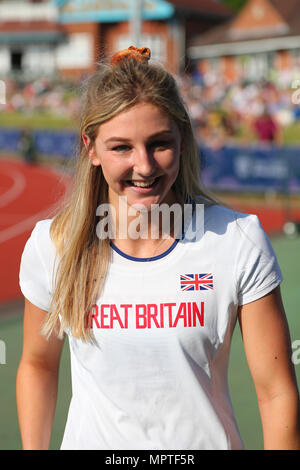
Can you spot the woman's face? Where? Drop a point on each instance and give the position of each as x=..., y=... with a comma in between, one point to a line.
x=139, y=152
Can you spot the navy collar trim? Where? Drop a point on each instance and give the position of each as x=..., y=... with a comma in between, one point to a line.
x=153, y=258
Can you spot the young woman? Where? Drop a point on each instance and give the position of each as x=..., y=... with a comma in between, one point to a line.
x=149, y=306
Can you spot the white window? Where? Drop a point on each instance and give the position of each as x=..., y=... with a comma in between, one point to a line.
x=4, y=60
x=76, y=53
x=38, y=59
x=256, y=66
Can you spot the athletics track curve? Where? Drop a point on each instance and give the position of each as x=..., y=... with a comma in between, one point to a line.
x=28, y=193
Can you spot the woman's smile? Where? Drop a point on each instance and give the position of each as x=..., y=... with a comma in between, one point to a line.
x=143, y=186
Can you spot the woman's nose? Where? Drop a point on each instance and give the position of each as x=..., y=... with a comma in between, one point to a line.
x=144, y=163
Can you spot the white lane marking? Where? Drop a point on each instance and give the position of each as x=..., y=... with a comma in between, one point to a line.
x=24, y=225
x=19, y=184
x=28, y=224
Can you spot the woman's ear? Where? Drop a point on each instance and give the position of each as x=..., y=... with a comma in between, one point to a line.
x=86, y=141
x=91, y=151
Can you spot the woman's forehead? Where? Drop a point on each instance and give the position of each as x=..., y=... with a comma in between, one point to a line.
x=141, y=119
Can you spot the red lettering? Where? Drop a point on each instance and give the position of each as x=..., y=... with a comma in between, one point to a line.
x=170, y=313
x=94, y=316
x=189, y=314
x=162, y=315
x=142, y=315
x=103, y=315
x=126, y=307
x=181, y=314
x=114, y=315
x=152, y=315
x=147, y=315
x=199, y=315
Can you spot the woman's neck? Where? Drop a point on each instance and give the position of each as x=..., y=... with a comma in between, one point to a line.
x=148, y=233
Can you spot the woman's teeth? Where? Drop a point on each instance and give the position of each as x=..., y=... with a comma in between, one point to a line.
x=143, y=184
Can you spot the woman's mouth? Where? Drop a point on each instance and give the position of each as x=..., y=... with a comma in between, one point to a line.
x=142, y=183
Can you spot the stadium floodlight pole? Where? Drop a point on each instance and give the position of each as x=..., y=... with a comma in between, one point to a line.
x=136, y=22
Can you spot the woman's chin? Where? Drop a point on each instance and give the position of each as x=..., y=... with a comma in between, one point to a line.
x=144, y=207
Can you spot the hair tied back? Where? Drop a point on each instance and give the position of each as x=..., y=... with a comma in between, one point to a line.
x=142, y=54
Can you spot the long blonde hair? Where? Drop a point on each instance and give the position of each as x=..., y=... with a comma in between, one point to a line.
x=83, y=256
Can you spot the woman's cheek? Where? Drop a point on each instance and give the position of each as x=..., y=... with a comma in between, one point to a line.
x=174, y=165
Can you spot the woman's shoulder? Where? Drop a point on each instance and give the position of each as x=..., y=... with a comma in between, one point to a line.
x=36, y=265
x=43, y=224
x=222, y=216
x=220, y=222
x=41, y=230
x=40, y=236
x=239, y=228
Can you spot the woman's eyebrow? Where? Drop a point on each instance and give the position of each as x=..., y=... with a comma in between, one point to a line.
x=166, y=132
x=116, y=139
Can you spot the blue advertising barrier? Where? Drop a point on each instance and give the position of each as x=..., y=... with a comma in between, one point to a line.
x=63, y=144
x=56, y=143
x=228, y=168
x=251, y=168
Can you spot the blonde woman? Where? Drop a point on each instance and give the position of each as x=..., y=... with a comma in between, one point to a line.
x=149, y=305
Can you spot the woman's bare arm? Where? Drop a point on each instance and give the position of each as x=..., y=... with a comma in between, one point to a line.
x=268, y=350
x=37, y=379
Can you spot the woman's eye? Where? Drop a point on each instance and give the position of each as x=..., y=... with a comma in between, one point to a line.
x=161, y=144
x=121, y=148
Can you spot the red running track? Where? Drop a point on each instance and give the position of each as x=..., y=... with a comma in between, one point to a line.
x=28, y=193
x=272, y=219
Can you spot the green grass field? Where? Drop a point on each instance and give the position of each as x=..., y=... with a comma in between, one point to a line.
x=44, y=120
x=36, y=120
x=242, y=390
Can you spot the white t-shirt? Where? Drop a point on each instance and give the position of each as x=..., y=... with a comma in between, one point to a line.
x=157, y=377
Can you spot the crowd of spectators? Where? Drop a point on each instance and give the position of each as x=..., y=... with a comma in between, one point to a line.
x=57, y=97
x=244, y=112
x=222, y=113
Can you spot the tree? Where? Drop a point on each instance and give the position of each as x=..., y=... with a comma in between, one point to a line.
x=236, y=5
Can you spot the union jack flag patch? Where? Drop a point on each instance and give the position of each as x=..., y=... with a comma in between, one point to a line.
x=196, y=282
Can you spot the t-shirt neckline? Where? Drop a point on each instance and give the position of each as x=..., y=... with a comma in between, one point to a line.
x=151, y=258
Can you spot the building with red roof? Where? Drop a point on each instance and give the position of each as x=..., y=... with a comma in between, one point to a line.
x=263, y=36
x=71, y=36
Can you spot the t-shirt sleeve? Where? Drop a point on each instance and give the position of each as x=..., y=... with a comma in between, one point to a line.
x=258, y=270
x=33, y=274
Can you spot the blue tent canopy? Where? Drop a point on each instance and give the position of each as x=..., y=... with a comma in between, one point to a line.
x=102, y=11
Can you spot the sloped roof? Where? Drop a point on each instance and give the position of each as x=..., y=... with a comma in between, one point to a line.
x=289, y=10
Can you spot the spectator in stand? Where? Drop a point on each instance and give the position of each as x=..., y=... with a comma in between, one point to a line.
x=266, y=129
x=27, y=147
